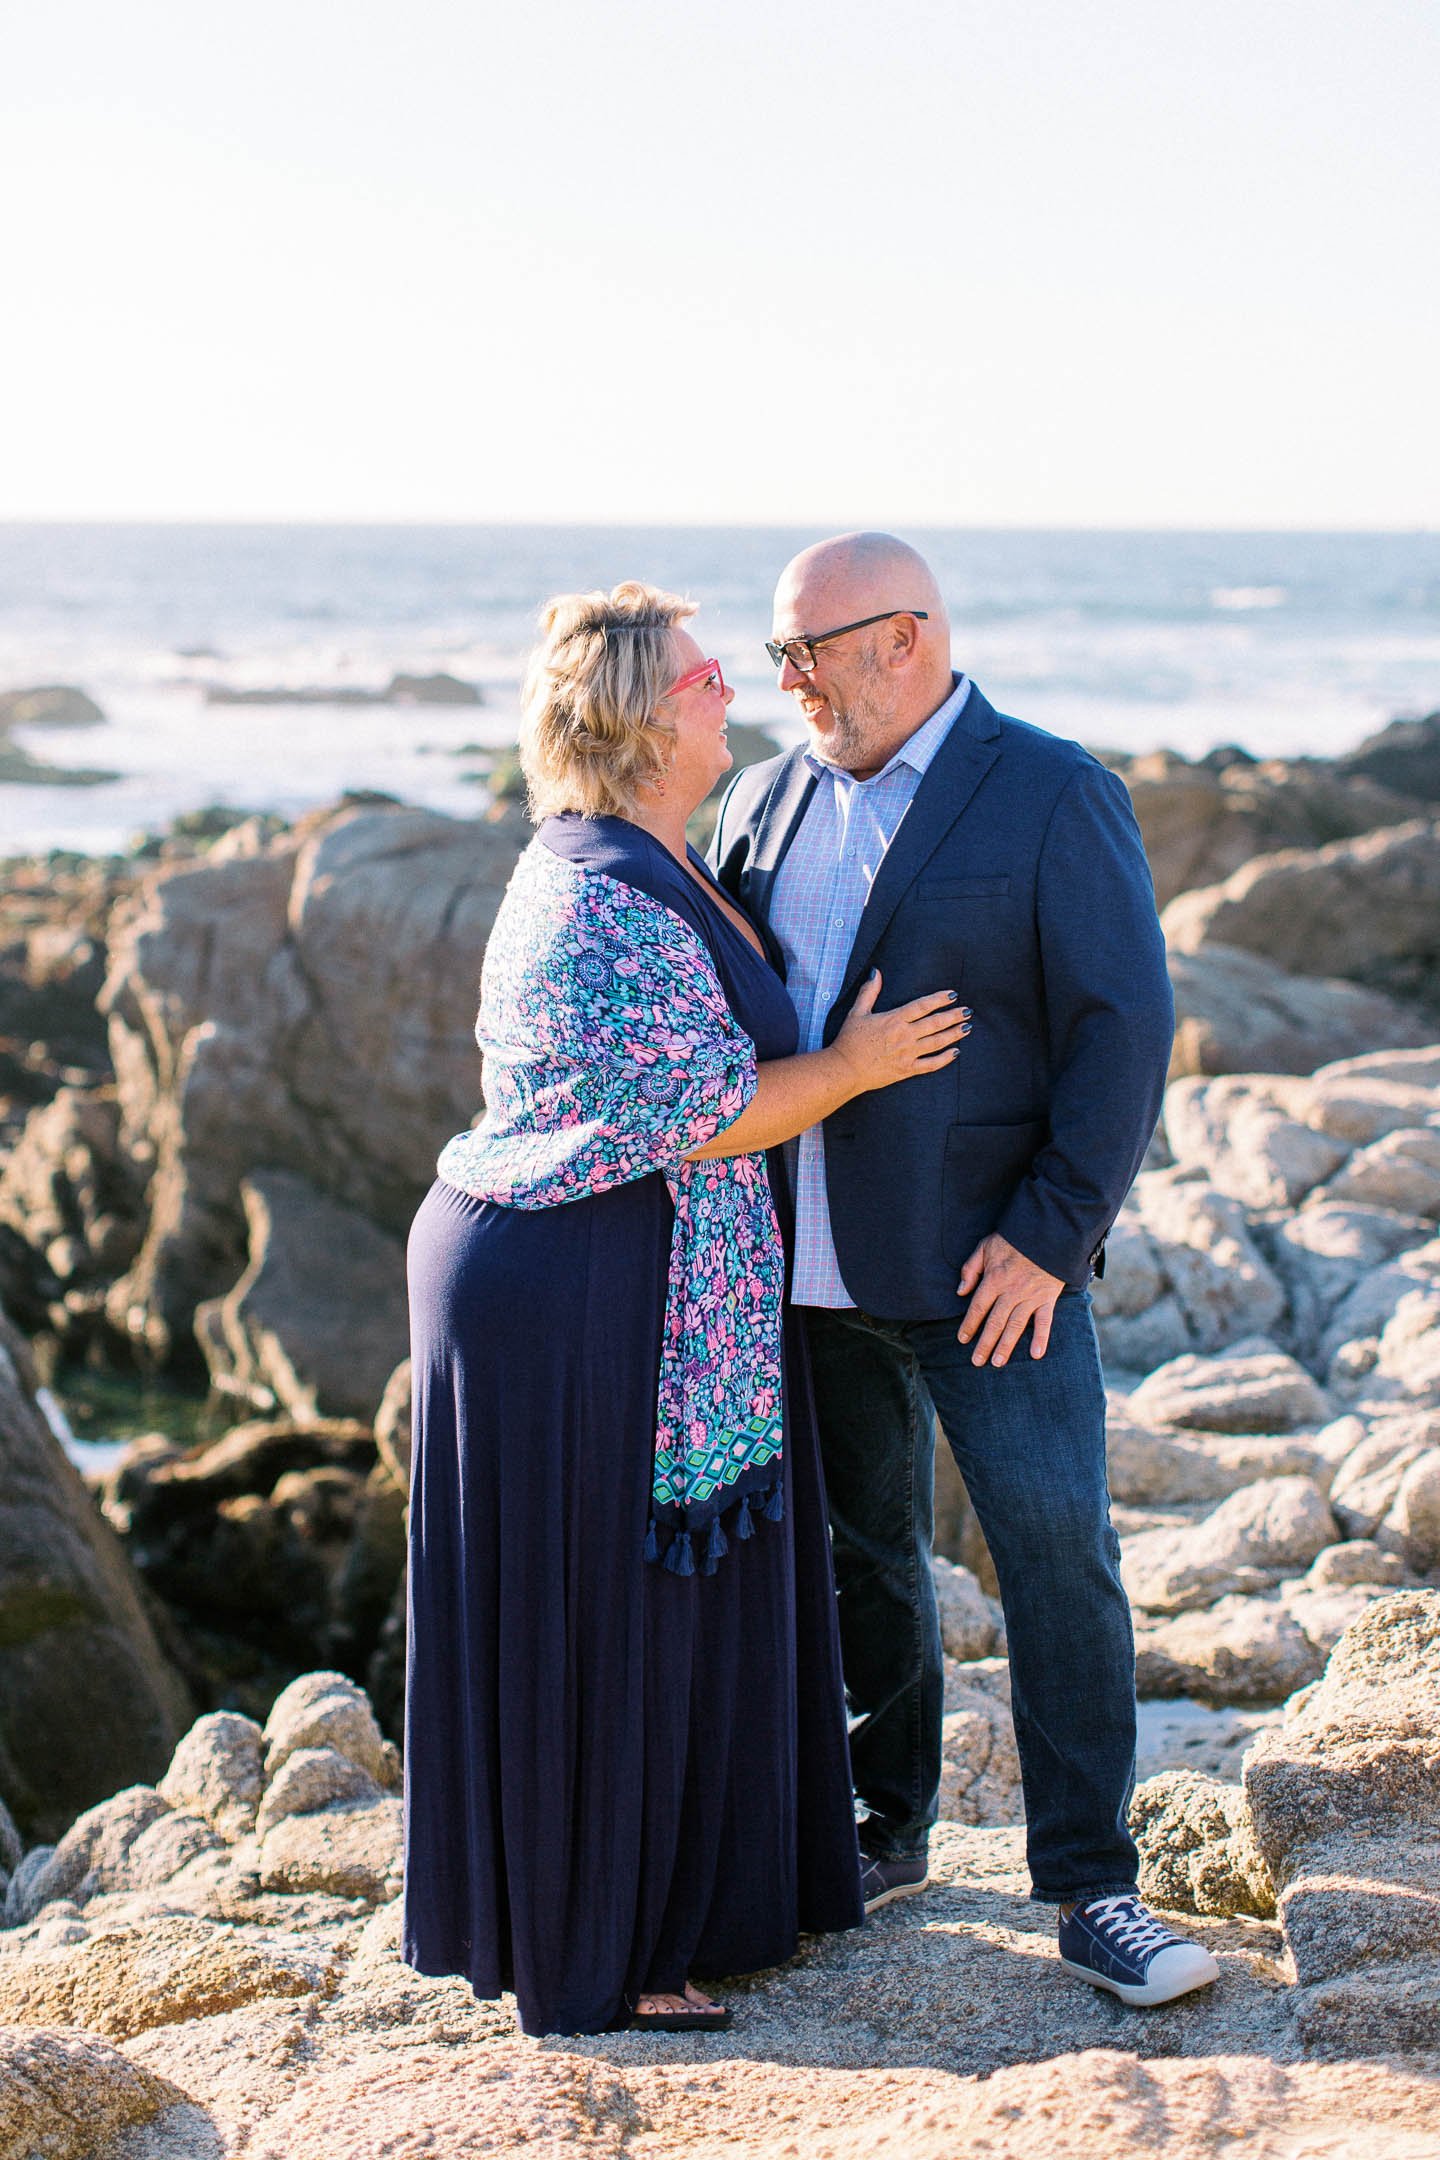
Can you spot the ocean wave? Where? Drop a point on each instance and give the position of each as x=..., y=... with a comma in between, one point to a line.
x=1284, y=642
x=1237, y=599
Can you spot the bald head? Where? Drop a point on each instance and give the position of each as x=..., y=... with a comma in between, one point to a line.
x=869, y=570
x=873, y=687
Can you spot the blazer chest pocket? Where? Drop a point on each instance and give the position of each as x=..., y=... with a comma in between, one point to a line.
x=962, y=888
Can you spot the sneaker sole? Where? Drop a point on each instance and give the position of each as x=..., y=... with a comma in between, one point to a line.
x=1143, y=1998
x=888, y=1897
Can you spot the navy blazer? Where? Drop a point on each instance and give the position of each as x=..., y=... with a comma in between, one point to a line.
x=1017, y=877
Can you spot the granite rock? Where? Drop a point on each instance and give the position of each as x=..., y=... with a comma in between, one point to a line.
x=393, y=1422
x=1253, y=1388
x=303, y=1005
x=1401, y=1171
x=1158, y=1466
x=1242, y=1134
x=326, y=1710
x=65, y=2095
x=1354, y=1560
x=1366, y=910
x=971, y=1624
x=218, y=1770
x=1363, y=1108
x=1403, y=757
x=1344, y=1794
x=92, y=1856
x=1244, y=1650
x=12, y=1846
x=289, y=2030
x=19, y=1901
x=1220, y=1280
x=73, y=1630
x=1236, y=1012
x=1197, y=1847
x=351, y=1849
x=979, y=1765
x=1367, y=1482
x=1267, y=1530
x=318, y=1319
x=168, y=1846
x=1325, y=1251
x=122, y=1977
x=309, y=1779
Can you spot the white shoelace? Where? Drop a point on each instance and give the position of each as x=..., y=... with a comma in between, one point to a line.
x=1125, y=1922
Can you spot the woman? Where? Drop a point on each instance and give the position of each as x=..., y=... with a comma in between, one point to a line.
x=626, y=1760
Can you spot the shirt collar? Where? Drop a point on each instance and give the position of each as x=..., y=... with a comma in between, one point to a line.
x=917, y=751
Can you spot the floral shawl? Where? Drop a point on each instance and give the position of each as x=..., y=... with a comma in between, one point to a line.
x=611, y=1052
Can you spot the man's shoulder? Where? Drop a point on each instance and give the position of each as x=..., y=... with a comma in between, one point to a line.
x=1039, y=752
x=753, y=783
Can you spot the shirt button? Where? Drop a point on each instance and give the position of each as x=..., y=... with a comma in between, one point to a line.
x=837, y=922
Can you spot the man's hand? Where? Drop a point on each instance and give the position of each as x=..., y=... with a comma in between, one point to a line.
x=1009, y=1292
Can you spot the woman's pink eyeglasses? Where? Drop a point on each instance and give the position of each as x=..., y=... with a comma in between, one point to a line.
x=710, y=668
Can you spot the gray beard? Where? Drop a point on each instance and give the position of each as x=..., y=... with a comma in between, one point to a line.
x=849, y=742
x=856, y=731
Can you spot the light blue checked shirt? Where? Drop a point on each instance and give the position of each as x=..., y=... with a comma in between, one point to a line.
x=819, y=895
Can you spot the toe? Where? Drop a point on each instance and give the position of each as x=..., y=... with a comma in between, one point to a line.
x=696, y=2001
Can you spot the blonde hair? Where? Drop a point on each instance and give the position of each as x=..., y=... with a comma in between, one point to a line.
x=590, y=738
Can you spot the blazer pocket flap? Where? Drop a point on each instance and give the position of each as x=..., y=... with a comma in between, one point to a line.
x=962, y=888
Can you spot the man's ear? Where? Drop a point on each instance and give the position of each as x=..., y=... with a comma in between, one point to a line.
x=904, y=641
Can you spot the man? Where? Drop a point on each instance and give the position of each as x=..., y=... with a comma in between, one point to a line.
x=946, y=1230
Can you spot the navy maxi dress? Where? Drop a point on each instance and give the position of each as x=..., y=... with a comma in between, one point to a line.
x=615, y=1777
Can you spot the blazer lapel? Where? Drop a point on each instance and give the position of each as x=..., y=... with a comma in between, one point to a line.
x=779, y=821
x=955, y=771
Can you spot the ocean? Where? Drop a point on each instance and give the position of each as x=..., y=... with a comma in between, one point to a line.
x=1287, y=643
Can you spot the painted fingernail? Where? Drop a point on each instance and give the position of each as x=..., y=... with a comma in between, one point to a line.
x=954, y=996
x=965, y=1012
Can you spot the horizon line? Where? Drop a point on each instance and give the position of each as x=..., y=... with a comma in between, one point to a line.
x=407, y=522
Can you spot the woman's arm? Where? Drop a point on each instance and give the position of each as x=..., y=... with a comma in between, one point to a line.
x=872, y=1050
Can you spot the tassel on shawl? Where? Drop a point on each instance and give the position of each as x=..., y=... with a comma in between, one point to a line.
x=716, y=1547
x=679, y=1555
x=680, y=1560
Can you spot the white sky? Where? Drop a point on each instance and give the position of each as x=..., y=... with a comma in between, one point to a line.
x=941, y=262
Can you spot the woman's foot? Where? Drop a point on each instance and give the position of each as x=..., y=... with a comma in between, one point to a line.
x=689, y=2012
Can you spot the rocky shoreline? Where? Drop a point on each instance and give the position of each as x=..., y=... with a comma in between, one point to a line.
x=48, y=705
x=210, y=1965
x=225, y=1066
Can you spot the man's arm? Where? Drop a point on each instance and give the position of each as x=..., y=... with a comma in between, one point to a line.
x=1110, y=1020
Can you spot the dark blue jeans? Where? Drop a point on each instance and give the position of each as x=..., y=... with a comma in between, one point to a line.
x=1029, y=1438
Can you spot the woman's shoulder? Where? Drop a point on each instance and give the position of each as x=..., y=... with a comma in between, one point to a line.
x=612, y=847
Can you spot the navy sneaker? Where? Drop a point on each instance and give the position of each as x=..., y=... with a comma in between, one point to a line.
x=1117, y=1943
x=882, y=1881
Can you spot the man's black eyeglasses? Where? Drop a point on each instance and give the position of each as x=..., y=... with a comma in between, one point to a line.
x=800, y=651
